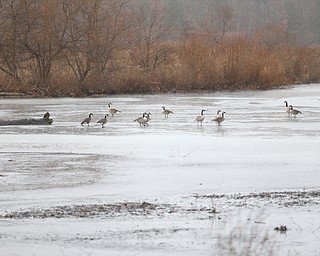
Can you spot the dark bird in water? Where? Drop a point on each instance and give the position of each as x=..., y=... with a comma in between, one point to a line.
x=46, y=115
x=46, y=118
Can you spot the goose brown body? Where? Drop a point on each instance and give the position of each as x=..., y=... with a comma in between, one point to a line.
x=166, y=112
x=111, y=110
x=143, y=120
x=103, y=121
x=87, y=120
x=219, y=119
x=199, y=119
x=294, y=112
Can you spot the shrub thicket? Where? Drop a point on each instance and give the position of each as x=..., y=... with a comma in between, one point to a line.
x=195, y=65
x=81, y=48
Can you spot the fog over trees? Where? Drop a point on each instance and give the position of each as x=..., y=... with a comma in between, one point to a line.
x=301, y=19
x=80, y=47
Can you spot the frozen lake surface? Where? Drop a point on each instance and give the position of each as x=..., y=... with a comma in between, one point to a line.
x=180, y=180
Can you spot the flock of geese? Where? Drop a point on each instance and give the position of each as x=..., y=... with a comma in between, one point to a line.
x=145, y=118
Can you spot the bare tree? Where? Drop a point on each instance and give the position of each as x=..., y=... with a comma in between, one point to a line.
x=94, y=29
x=148, y=33
x=11, y=56
x=273, y=35
x=225, y=15
x=42, y=36
x=80, y=28
x=217, y=21
x=113, y=34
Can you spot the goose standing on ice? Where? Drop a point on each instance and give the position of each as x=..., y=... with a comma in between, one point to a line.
x=219, y=119
x=287, y=108
x=103, y=121
x=87, y=120
x=200, y=118
x=111, y=110
x=142, y=120
x=147, y=115
x=166, y=112
x=294, y=112
x=218, y=114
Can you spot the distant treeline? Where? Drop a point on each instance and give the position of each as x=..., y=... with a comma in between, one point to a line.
x=299, y=18
x=80, y=47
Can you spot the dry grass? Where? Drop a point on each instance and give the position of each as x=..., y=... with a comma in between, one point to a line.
x=248, y=236
x=195, y=65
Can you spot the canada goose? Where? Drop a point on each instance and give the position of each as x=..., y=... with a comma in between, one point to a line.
x=166, y=112
x=87, y=120
x=219, y=119
x=287, y=107
x=294, y=112
x=218, y=114
x=111, y=110
x=147, y=115
x=142, y=120
x=103, y=121
x=200, y=118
